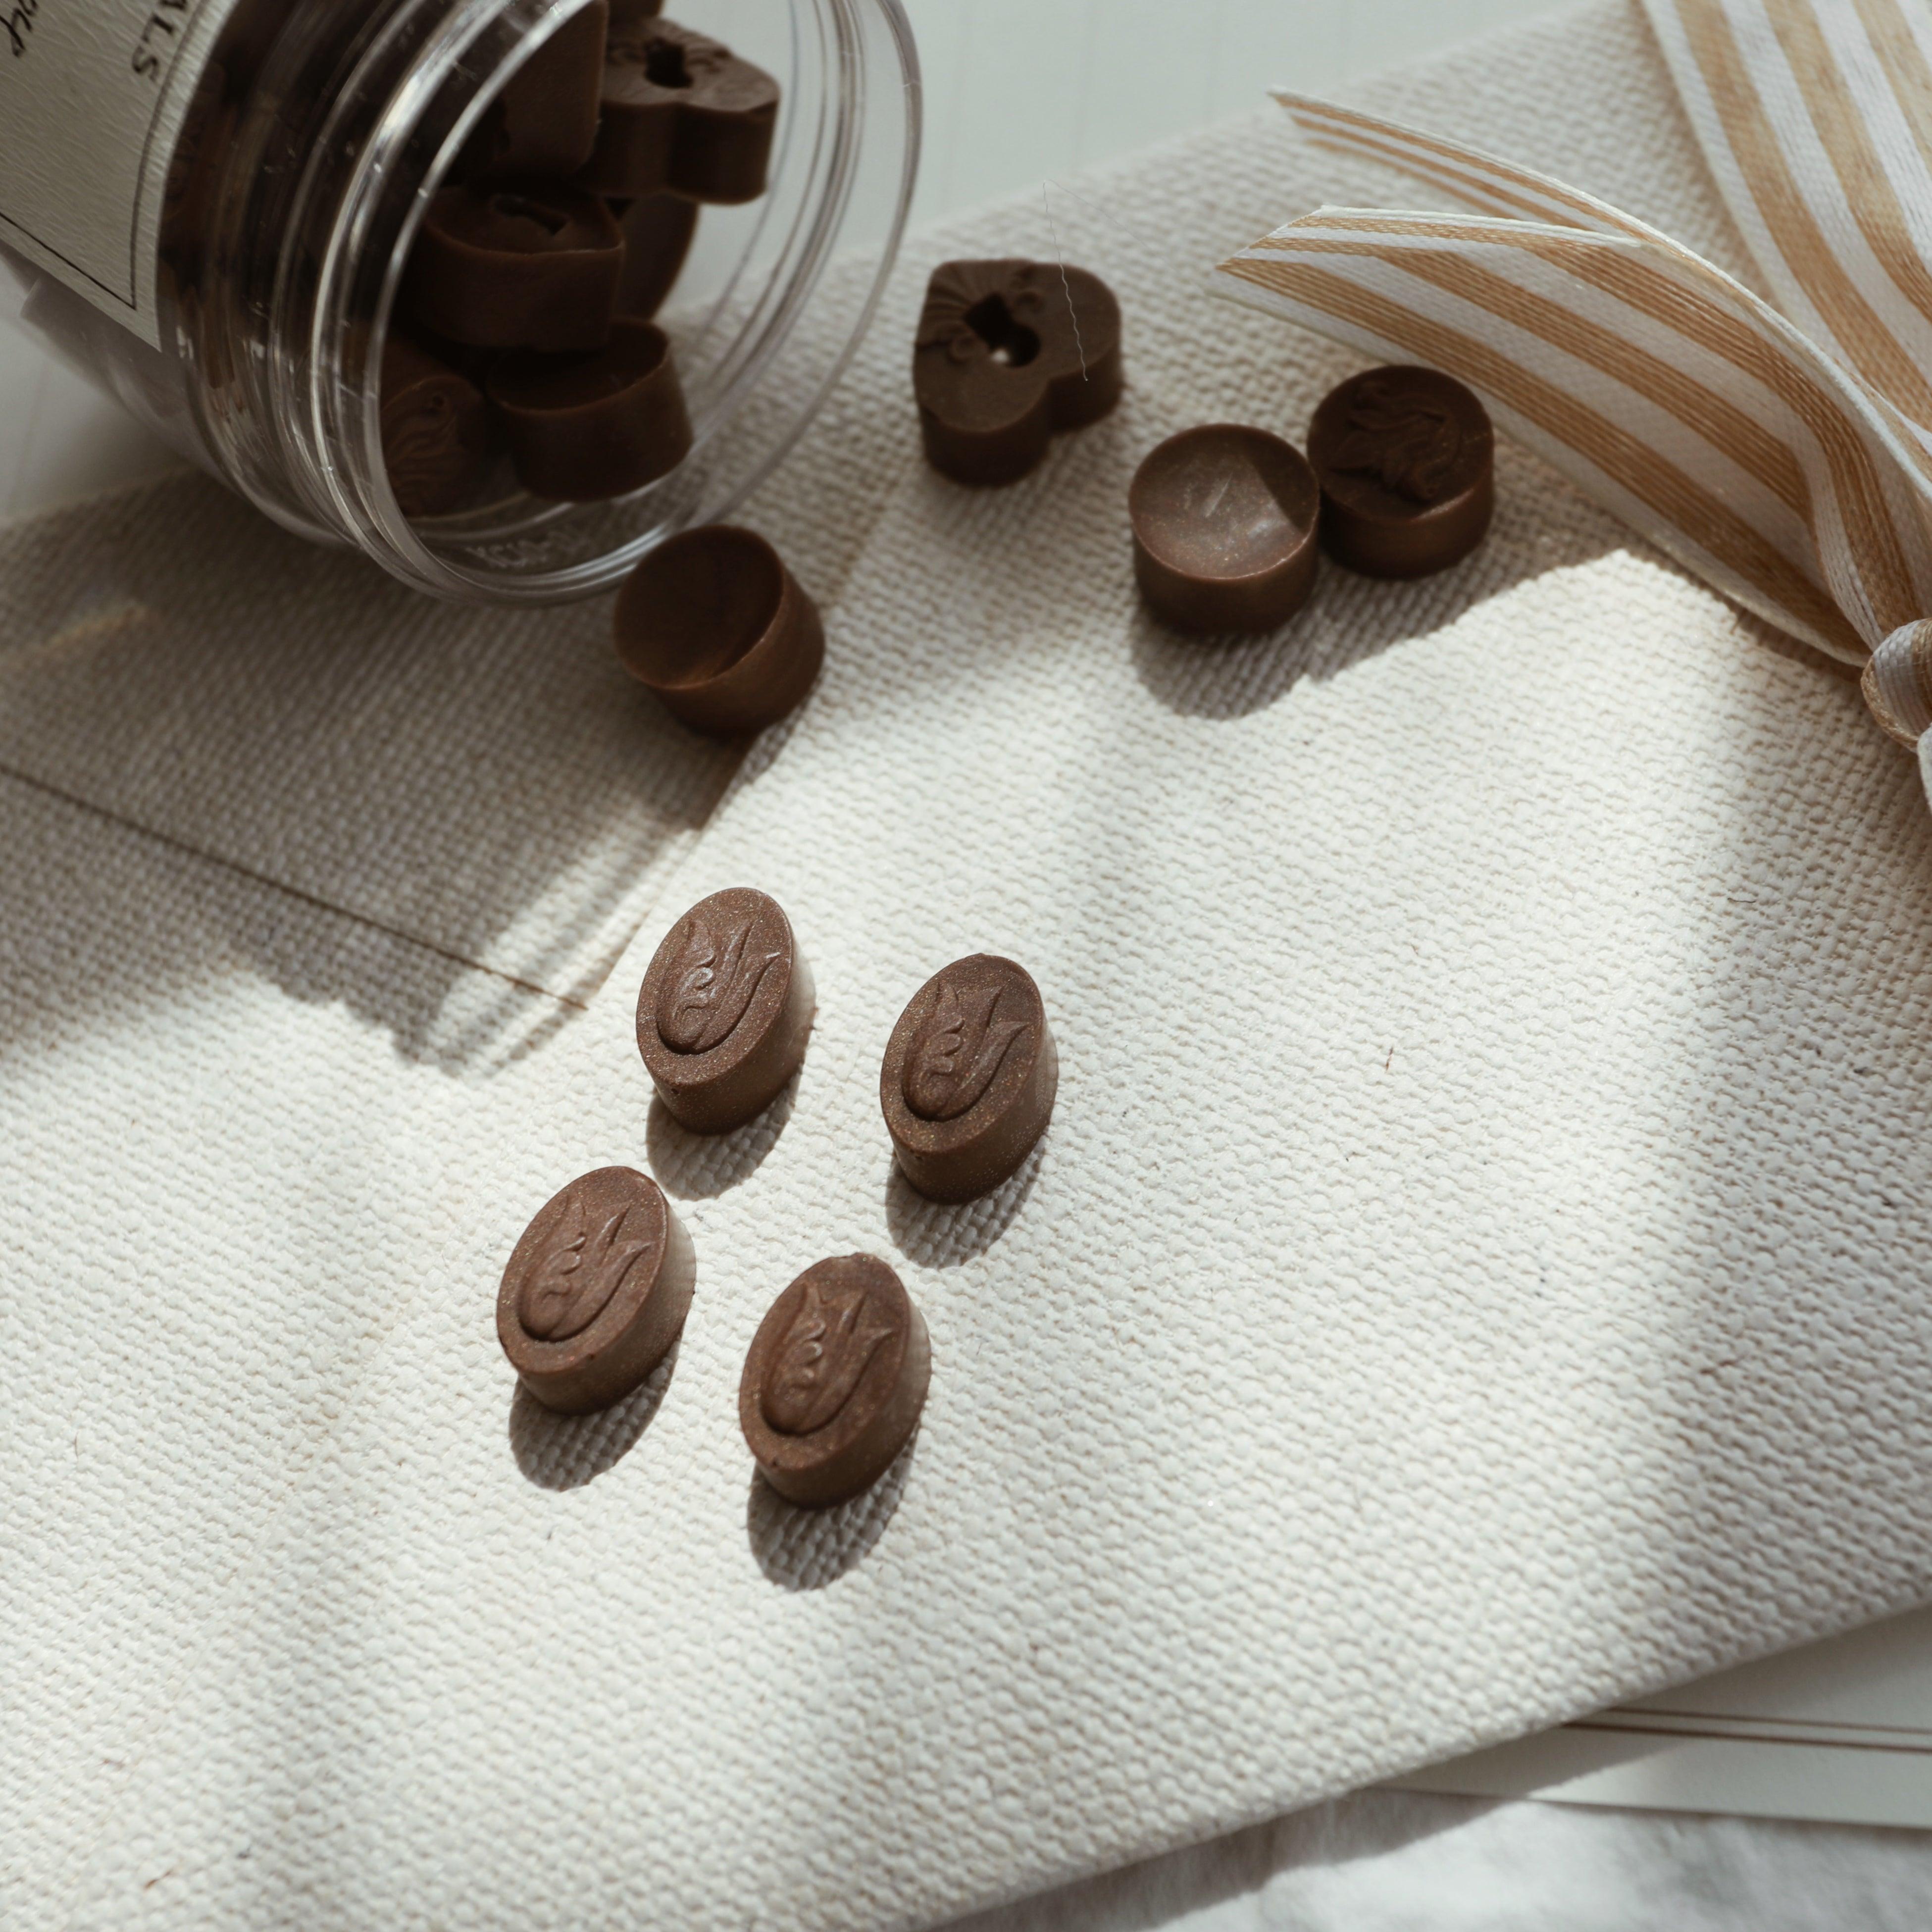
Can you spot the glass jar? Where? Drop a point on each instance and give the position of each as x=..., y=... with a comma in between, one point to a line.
x=315, y=134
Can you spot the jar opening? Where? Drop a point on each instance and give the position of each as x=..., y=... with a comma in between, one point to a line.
x=760, y=322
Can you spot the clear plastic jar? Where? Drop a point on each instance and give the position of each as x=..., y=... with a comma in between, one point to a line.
x=286, y=241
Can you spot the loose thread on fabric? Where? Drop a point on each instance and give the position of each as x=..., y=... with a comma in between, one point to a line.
x=1073, y=314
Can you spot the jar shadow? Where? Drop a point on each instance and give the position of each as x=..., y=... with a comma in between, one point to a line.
x=807, y=1549
x=700, y=1167
x=939, y=1234
x=564, y=1452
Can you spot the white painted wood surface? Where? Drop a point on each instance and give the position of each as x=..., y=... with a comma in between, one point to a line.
x=1020, y=91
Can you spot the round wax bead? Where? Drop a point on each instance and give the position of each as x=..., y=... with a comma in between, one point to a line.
x=1224, y=520
x=716, y=625
x=586, y=427
x=1406, y=460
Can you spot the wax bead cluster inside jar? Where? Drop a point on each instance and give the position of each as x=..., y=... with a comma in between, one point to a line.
x=524, y=353
x=502, y=294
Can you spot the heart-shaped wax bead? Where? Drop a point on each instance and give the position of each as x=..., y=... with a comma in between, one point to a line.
x=1008, y=353
x=681, y=111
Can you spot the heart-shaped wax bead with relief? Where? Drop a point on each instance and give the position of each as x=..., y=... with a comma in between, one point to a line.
x=680, y=112
x=1010, y=353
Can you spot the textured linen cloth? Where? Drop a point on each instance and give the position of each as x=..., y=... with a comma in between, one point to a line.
x=1472, y=1276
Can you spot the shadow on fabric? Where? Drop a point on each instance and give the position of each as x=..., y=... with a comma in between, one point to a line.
x=700, y=1167
x=1225, y=1880
x=479, y=799
x=564, y=1452
x=806, y=1549
x=937, y=1233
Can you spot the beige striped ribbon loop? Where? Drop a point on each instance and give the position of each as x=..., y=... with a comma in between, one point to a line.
x=1781, y=449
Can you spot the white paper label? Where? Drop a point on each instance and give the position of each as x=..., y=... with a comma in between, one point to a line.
x=92, y=95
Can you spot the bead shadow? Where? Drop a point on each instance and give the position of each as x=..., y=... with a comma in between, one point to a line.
x=564, y=1452
x=940, y=1235
x=806, y=1548
x=700, y=1167
x=1350, y=619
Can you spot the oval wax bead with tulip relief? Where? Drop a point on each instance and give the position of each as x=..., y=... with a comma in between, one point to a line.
x=969, y=1077
x=834, y=1382
x=725, y=1010
x=596, y=1291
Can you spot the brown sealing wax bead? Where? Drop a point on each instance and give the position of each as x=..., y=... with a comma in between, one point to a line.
x=1009, y=352
x=584, y=428
x=544, y=121
x=465, y=358
x=529, y=264
x=436, y=431
x=596, y=1291
x=1224, y=518
x=657, y=229
x=969, y=1078
x=834, y=1382
x=724, y=1010
x=716, y=625
x=1406, y=460
x=682, y=113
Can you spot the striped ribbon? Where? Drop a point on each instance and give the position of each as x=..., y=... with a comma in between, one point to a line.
x=1783, y=450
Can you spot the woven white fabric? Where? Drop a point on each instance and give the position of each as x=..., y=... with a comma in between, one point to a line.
x=1408, y=1860
x=1472, y=1276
